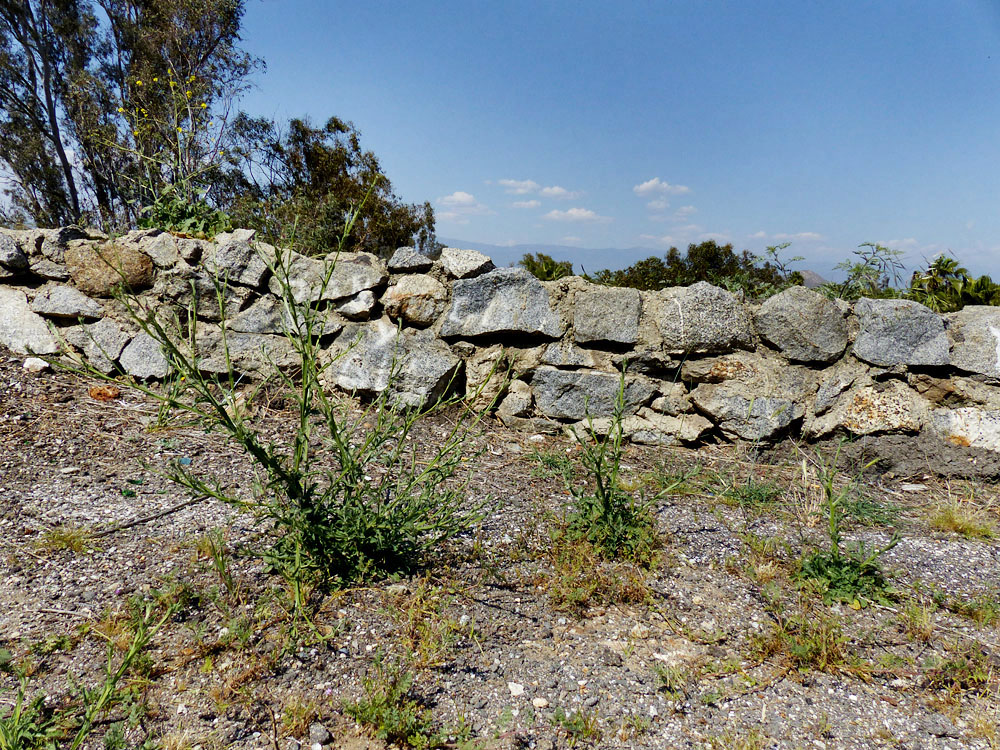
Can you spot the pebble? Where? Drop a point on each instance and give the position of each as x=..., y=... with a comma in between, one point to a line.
x=34, y=364
x=539, y=702
x=515, y=688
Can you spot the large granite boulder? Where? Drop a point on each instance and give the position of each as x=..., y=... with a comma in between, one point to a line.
x=899, y=332
x=143, y=358
x=253, y=354
x=464, y=264
x=975, y=339
x=408, y=260
x=606, y=315
x=270, y=315
x=413, y=366
x=417, y=299
x=699, y=318
x=803, y=325
x=508, y=300
x=98, y=269
x=868, y=409
x=578, y=394
x=12, y=255
x=351, y=273
x=61, y=301
x=237, y=259
x=101, y=342
x=22, y=330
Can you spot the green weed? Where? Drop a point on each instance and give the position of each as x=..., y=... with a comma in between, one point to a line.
x=579, y=726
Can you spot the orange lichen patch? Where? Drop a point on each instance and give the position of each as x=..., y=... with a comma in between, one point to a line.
x=726, y=369
x=959, y=440
x=104, y=392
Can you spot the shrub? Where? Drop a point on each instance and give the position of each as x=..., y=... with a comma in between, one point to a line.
x=545, y=267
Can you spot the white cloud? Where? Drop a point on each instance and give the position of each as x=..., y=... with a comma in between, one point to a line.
x=459, y=206
x=561, y=193
x=571, y=238
x=905, y=244
x=666, y=240
x=717, y=236
x=519, y=187
x=526, y=204
x=660, y=204
x=684, y=212
x=656, y=186
x=798, y=237
x=576, y=214
x=688, y=228
x=761, y=235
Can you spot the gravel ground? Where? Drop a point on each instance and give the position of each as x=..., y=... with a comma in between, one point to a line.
x=512, y=640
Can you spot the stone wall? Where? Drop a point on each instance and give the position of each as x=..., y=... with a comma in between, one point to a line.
x=702, y=364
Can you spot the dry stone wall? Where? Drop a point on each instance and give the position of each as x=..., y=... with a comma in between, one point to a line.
x=701, y=364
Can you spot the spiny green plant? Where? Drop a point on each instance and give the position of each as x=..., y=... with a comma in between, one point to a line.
x=545, y=267
x=852, y=577
x=616, y=523
x=876, y=272
x=579, y=726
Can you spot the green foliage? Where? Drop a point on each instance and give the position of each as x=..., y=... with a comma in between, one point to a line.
x=68, y=74
x=175, y=212
x=308, y=182
x=545, y=267
x=875, y=273
x=806, y=641
x=579, y=726
x=945, y=286
x=851, y=577
x=388, y=710
x=711, y=262
x=375, y=512
x=753, y=495
x=617, y=524
x=551, y=464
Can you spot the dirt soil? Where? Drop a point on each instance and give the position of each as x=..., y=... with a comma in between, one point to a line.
x=512, y=639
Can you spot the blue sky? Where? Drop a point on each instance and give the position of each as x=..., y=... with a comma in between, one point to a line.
x=640, y=125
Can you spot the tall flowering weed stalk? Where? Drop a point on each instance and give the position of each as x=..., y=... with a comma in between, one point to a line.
x=177, y=142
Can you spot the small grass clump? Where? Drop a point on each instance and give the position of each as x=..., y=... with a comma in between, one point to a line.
x=581, y=577
x=962, y=518
x=753, y=495
x=67, y=537
x=806, y=641
x=579, y=726
x=551, y=464
x=390, y=713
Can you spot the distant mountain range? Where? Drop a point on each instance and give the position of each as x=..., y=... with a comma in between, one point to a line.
x=583, y=259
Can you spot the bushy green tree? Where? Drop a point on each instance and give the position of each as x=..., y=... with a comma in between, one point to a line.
x=545, y=267
x=304, y=182
x=945, y=286
x=707, y=261
x=71, y=71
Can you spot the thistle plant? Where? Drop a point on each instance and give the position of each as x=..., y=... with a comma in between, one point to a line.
x=177, y=144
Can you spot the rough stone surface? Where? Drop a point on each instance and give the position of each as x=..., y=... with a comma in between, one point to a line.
x=103, y=343
x=358, y=308
x=56, y=242
x=464, y=264
x=803, y=325
x=564, y=353
x=975, y=339
x=517, y=402
x=739, y=413
x=237, y=259
x=508, y=300
x=269, y=315
x=21, y=330
x=97, y=271
x=967, y=426
x=674, y=401
x=414, y=367
x=651, y=428
x=12, y=256
x=46, y=269
x=899, y=332
x=408, y=260
x=143, y=358
x=606, y=314
x=249, y=353
x=699, y=318
x=577, y=394
x=186, y=286
x=487, y=371
x=352, y=273
x=161, y=247
x=870, y=409
x=417, y=299
x=60, y=301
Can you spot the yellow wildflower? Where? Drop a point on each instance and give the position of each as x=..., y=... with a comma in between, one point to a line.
x=203, y=105
x=121, y=109
x=172, y=84
x=138, y=83
x=188, y=93
x=191, y=79
x=155, y=80
x=135, y=132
